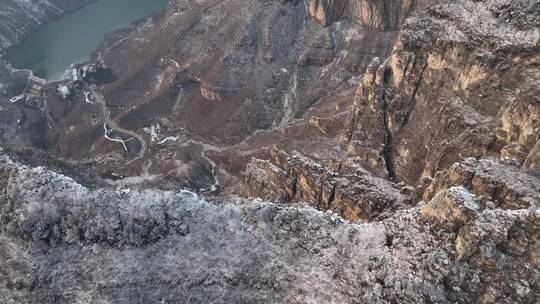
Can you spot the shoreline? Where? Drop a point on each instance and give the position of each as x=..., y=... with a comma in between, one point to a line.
x=3, y=50
x=113, y=31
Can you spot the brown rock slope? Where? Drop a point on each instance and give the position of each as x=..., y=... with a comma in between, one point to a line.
x=431, y=180
x=346, y=189
x=462, y=80
x=220, y=70
x=207, y=75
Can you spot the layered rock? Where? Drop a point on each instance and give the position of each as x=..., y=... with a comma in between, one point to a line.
x=489, y=213
x=345, y=189
x=499, y=181
x=460, y=82
x=267, y=62
x=65, y=243
x=382, y=15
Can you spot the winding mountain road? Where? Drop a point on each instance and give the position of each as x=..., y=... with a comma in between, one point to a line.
x=115, y=127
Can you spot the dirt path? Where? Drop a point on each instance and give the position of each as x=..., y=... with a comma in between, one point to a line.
x=113, y=125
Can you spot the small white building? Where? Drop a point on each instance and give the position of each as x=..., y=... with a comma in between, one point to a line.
x=75, y=74
x=16, y=98
x=64, y=90
x=84, y=70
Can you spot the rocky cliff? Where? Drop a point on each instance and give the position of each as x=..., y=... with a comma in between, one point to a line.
x=462, y=81
x=388, y=152
x=346, y=189
x=382, y=15
x=62, y=242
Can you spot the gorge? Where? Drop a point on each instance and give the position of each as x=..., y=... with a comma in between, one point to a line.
x=292, y=151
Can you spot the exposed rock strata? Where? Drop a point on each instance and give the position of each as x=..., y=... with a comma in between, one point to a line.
x=460, y=82
x=382, y=15
x=345, y=189
x=267, y=62
x=499, y=181
x=60, y=240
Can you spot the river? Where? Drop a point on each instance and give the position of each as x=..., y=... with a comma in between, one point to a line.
x=51, y=50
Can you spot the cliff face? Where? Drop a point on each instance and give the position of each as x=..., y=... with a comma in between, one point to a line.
x=381, y=15
x=343, y=188
x=462, y=81
x=19, y=18
x=424, y=170
x=62, y=242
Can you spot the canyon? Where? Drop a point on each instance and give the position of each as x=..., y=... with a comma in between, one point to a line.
x=315, y=151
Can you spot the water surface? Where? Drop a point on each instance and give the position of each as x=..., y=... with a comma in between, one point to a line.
x=55, y=46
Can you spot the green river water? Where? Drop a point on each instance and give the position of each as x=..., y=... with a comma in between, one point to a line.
x=51, y=50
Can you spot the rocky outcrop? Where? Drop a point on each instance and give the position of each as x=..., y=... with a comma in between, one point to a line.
x=458, y=84
x=212, y=93
x=345, y=189
x=491, y=221
x=518, y=130
x=20, y=18
x=327, y=11
x=452, y=111
x=451, y=208
x=382, y=15
x=62, y=242
x=499, y=181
